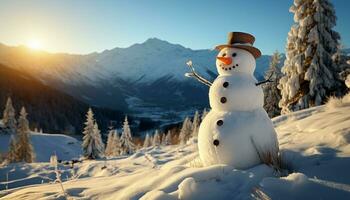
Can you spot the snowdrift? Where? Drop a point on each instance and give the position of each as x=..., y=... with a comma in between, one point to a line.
x=46, y=145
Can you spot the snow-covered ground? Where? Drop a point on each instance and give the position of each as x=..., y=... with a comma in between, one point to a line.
x=315, y=149
x=45, y=145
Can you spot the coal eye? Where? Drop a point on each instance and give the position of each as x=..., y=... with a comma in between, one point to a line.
x=234, y=55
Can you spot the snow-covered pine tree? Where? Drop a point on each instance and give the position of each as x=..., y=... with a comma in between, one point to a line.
x=204, y=113
x=195, y=124
x=126, y=144
x=116, y=143
x=92, y=143
x=9, y=116
x=310, y=75
x=343, y=61
x=163, y=139
x=147, y=142
x=151, y=140
x=98, y=151
x=168, y=138
x=110, y=147
x=11, y=154
x=272, y=94
x=24, y=149
x=186, y=131
x=156, y=138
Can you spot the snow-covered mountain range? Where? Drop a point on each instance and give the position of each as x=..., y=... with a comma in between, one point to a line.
x=146, y=75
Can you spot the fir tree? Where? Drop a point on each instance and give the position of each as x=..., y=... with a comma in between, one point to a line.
x=310, y=74
x=11, y=155
x=163, y=139
x=24, y=149
x=147, y=141
x=343, y=62
x=111, y=146
x=92, y=143
x=9, y=116
x=116, y=143
x=186, y=131
x=272, y=94
x=126, y=144
x=195, y=124
x=156, y=138
x=168, y=138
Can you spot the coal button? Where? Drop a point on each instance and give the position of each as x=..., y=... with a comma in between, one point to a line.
x=220, y=122
x=216, y=142
x=225, y=84
x=223, y=100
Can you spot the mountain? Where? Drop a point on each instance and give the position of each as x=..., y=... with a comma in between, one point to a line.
x=48, y=108
x=142, y=79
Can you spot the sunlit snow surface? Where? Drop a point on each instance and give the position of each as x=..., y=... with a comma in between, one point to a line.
x=314, y=144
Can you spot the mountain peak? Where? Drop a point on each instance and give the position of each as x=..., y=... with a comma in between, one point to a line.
x=156, y=41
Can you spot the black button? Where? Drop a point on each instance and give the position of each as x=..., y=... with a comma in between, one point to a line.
x=220, y=122
x=223, y=100
x=216, y=142
x=225, y=84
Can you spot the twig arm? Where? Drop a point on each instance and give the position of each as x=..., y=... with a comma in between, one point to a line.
x=195, y=75
x=268, y=80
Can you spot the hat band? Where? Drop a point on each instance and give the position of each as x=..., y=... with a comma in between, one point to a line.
x=245, y=44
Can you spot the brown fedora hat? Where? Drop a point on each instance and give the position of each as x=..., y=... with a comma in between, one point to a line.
x=241, y=40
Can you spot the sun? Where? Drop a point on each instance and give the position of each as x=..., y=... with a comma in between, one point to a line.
x=34, y=44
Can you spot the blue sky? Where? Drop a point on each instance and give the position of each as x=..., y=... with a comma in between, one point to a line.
x=84, y=26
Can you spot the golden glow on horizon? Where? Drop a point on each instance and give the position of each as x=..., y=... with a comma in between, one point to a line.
x=34, y=44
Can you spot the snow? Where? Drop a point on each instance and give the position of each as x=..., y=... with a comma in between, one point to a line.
x=46, y=145
x=347, y=81
x=314, y=144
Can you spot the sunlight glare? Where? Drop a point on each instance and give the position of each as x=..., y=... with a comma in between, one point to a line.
x=34, y=44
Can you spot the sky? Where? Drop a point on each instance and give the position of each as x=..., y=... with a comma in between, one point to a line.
x=85, y=26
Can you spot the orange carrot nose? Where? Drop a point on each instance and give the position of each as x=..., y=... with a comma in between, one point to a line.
x=225, y=60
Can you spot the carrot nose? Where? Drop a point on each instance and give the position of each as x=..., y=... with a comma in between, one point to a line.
x=225, y=60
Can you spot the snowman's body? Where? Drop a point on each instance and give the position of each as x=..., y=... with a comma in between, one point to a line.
x=237, y=131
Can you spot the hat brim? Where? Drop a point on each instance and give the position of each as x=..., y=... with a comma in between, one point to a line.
x=254, y=51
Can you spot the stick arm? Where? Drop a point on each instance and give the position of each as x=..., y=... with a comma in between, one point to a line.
x=195, y=75
x=268, y=80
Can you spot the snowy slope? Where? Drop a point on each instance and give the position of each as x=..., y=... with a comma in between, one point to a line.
x=46, y=145
x=315, y=146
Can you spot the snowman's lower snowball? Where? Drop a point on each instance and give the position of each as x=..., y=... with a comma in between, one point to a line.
x=239, y=140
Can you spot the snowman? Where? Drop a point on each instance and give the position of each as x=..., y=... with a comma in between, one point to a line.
x=237, y=131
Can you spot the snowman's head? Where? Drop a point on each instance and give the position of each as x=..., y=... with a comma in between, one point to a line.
x=233, y=60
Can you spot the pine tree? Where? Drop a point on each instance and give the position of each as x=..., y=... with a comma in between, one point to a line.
x=11, y=155
x=195, y=124
x=98, y=151
x=24, y=149
x=272, y=94
x=343, y=62
x=110, y=147
x=92, y=143
x=126, y=144
x=186, y=131
x=116, y=143
x=310, y=75
x=9, y=116
x=163, y=139
x=168, y=138
x=156, y=138
x=147, y=141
